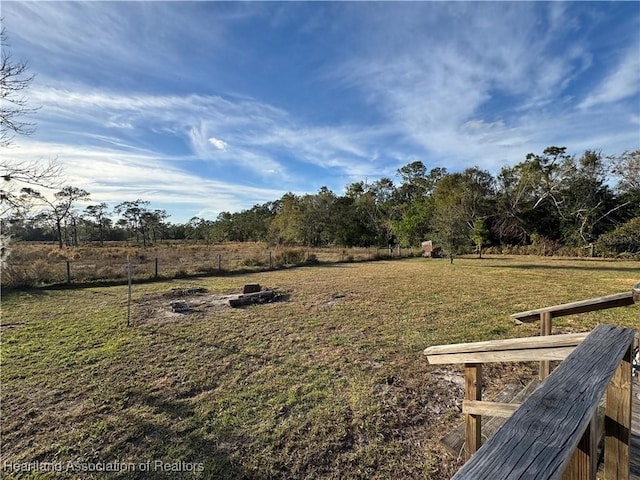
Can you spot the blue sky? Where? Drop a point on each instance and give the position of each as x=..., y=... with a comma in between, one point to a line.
x=206, y=107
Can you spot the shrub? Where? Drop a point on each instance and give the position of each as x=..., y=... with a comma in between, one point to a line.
x=16, y=277
x=110, y=272
x=253, y=261
x=181, y=273
x=38, y=272
x=290, y=257
x=543, y=246
x=208, y=269
x=625, y=238
x=312, y=259
x=628, y=256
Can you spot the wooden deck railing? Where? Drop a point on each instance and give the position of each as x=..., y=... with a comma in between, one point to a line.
x=547, y=314
x=474, y=355
x=553, y=431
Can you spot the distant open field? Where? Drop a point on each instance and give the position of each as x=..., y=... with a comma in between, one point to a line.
x=329, y=383
x=36, y=264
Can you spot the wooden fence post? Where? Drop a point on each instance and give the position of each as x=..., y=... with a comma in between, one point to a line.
x=156, y=276
x=617, y=421
x=545, y=329
x=473, y=423
x=270, y=262
x=68, y=272
x=129, y=276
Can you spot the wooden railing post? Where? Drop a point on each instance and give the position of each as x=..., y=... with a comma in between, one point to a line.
x=545, y=329
x=584, y=461
x=617, y=421
x=473, y=423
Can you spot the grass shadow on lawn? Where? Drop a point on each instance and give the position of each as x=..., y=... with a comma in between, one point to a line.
x=603, y=268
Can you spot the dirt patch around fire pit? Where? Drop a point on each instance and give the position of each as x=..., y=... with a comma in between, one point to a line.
x=196, y=302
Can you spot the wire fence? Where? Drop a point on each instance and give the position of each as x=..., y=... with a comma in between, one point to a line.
x=36, y=271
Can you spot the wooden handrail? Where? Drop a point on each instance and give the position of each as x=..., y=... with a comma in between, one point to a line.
x=599, y=303
x=546, y=314
x=553, y=347
x=540, y=439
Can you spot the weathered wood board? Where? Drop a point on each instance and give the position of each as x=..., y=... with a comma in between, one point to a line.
x=555, y=347
x=569, y=397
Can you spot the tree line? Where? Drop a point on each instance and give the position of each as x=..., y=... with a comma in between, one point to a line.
x=551, y=196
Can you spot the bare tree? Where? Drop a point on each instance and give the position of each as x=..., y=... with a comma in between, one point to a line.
x=98, y=213
x=14, y=79
x=627, y=168
x=18, y=179
x=61, y=208
x=135, y=213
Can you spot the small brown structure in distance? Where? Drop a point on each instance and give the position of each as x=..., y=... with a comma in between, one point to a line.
x=429, y=250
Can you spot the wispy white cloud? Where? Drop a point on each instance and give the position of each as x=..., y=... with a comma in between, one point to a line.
x=465, y=86
x=254, y=132
x=103, y=40
x=240, y=155
x=439, y=83
x=217, y=143
x=621, y=83
x=114, y=176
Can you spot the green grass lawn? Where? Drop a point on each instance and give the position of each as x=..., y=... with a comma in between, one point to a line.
x=331, y=383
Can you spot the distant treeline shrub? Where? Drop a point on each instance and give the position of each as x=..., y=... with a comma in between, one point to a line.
x=292, y=256
x=38, y=272
x=624, y=239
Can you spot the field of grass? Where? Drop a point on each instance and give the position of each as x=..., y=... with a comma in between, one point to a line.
x=36, y=264
x=330, y=383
